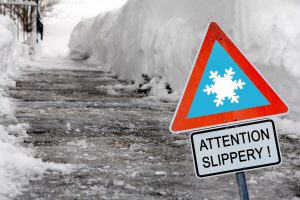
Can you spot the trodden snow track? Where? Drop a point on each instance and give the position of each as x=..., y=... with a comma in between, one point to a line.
x=120, y=143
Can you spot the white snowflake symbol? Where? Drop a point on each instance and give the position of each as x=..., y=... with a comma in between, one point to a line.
x=224, y=87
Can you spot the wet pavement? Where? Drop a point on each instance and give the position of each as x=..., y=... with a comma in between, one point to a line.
x=119, y=142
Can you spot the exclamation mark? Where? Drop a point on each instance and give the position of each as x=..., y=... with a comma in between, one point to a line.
x=269, y=151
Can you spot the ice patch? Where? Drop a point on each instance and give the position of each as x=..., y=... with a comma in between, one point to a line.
x=160, y=173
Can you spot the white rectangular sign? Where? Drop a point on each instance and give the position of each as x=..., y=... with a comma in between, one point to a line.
x=235, y=148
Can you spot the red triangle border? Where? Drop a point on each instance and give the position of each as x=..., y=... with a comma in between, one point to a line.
x=181, y=123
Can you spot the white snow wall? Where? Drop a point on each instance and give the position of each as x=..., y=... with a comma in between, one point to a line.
x=161, y=38
x=157, y=37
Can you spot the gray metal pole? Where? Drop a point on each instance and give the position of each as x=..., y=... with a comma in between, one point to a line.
x=242, y=185
x=37, y=19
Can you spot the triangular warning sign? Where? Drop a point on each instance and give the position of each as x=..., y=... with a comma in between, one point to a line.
x=223, y=87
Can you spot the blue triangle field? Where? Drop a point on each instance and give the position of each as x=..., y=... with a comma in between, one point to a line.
x=247, y=97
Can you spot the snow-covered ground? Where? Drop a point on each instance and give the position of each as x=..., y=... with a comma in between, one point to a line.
x=160, y=39
x=17, y=163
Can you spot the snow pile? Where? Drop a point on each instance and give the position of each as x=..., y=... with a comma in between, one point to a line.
x=290, y=126
x=269, y=36
x=156, y=38
x=160, y=39
x=17, y=164
x=13, y=56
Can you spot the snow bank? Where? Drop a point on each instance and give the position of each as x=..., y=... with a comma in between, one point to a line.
x=270, y=32
x=160, y=38
x=157, y=38
x=17, y=164
x=13, y=56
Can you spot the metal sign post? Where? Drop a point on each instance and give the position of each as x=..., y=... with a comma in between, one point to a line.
x=242, y=185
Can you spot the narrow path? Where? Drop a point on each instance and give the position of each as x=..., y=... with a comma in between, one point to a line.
x=120, y=143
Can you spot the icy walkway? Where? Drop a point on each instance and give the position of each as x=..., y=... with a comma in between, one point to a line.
x=120, y=143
